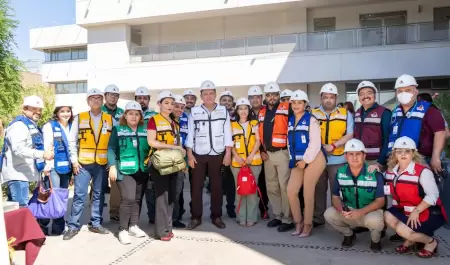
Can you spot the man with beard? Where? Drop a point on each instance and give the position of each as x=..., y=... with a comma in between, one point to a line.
x=255, y=96
x=190, y=98
x=23, y=152
x=226, y=99
x=336, y=126
x=273, y=127
x=285, y=95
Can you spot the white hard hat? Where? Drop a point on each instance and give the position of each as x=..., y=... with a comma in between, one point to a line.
x=299, y=95
x=63, y=103
x=207, y=85
x=271, y=87
x=133, y=105
x=286, y=93
x=141, y=91
x=226, y=93
x=165, y=94
x=366, y=84
x=404, y=81
x=189, y=92
x=180, y=99
x=405, y=142
x=329, y=88
x=94, y=92
x=242, y=101
x=255, y=91
x=33, y=101
x=112, y=89
x=354, y=145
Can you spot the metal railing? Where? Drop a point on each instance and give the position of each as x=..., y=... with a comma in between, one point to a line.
x=328, y=40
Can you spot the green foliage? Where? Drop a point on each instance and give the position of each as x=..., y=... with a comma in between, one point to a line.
x=10, y=66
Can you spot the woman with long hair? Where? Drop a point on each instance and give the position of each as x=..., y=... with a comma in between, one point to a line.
x=127, y=152
x=162, y=133
x=58, y=170
x=417, y=210
x=307, y=161
x=246, y=152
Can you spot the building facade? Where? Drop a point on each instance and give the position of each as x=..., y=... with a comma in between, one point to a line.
x=177, y=44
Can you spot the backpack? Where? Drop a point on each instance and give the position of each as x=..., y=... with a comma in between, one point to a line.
x=246, y=185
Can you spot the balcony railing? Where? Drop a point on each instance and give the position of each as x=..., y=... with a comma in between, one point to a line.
x=328, y=40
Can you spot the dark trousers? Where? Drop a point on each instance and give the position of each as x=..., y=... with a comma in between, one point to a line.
x=229, y=187
x=207, y=164
x=132, y=189
x=264, y=201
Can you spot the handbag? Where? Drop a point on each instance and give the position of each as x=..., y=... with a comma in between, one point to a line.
x=48, y=203
x=168, y=161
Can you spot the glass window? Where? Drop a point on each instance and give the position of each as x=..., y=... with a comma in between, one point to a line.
x=324, y=24
x=74, y=54
x=82, y=54
x=66, y=55
x=71, y=88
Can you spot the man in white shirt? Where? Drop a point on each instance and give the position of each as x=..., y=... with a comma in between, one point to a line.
x=209, y=146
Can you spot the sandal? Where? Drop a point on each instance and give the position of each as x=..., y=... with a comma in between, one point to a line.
x=402, y=249
x=426, y=254
x=299, y=231
x=306, y=234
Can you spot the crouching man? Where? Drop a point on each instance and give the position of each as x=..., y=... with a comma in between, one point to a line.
x=358, y=198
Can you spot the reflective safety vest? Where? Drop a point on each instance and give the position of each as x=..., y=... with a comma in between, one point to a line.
x=61, y=149
x=332, y=127
x=183, y=122
x=409, y=123
x=357, y=193
x=36, y=138
x=116, y=114
x=280, y=125
x=89, y=150
x=244, y=144
x=407, y=193
x=133, y=148
x=298, y=138
x=369, y=131
x=164, y=131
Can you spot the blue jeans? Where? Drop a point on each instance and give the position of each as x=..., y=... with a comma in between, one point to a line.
x=81, y=183
x=18, y=191
x=58, y=181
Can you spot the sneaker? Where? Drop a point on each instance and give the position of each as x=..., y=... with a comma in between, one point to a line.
x=348, y=241
x=124, y=238
x=136, y=231
x=178, y=224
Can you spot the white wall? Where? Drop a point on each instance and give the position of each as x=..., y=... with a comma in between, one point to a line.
x=58, y=37
x=65, y=71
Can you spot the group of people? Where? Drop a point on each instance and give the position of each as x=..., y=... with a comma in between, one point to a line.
x=295, y=153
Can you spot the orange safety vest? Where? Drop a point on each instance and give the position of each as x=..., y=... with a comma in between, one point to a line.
x=280, y=126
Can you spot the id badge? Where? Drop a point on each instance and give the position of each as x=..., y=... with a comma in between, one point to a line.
x=135, y=143
x=303, y=139
x=238, y=145
x=395, y=129
x=387, y=190
x=104, y=130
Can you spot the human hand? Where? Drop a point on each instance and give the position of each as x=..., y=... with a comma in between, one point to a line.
x=264, y=156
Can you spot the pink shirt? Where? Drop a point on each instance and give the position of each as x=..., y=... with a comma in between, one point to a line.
x=315, y=141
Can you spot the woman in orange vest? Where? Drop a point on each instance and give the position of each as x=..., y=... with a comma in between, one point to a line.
x=416, y=211
x=245, y=152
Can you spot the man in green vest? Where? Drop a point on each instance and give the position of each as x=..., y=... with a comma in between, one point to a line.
x=112, y=94
x=358, y=198
x=142, y=96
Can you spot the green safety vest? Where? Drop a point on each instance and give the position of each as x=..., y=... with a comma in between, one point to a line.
x=360, y=194
x=149, y=113
x=116, y=116
x=133, y=149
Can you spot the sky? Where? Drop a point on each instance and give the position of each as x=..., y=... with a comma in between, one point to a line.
x=35, y=14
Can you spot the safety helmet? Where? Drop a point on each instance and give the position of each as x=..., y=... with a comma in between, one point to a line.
x=354, y=145
x=165, y=94
x=299, y=95
x=285, y=93
x=180, y=99
x=94, y=92
x=226, y=93
x=255, y=91
x=189, y=92
x=366, y=84
x=329, y=88
x=243, y=101
x=207, y=85
x=133, y=105
x=271, y=87
x=141, y=91
x=112, y=89
x=63, y=103
x=405, y=142
x=405, y=81
x=33, y=101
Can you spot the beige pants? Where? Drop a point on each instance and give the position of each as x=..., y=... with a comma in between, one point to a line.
x=114, y=200
x=320, y=204
x=277, y=176
x=248, y=213
x=307, y=177
x=374, y=221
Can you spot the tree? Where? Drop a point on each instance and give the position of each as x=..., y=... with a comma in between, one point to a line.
x=10, y=66
x=48, y=96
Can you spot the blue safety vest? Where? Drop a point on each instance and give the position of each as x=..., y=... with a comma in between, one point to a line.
x=298, y=138
x=409, y=123
x=36, y=138
x=61, y=149
x=183, y=128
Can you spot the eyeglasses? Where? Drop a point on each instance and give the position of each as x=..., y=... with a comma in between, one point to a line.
x=403, y=151
x=96, y=98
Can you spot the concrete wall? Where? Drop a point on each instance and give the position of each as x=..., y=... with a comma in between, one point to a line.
x=65, y=71
x=58, y=37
